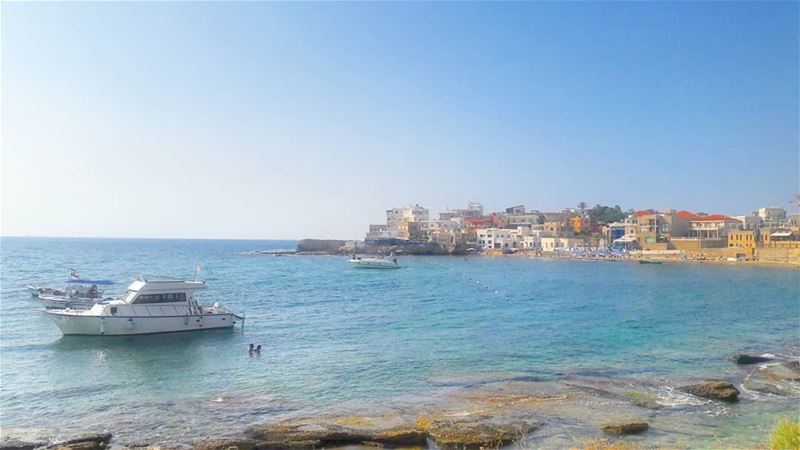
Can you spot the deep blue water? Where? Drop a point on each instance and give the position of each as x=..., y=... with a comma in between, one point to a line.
x=333, y=335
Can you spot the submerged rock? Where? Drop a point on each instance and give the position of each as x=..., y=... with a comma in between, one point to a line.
x=626, y=428
x=715, y=390
x=750, y=359
x=643, y=399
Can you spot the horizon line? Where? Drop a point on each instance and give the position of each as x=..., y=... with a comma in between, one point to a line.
x=151, y=238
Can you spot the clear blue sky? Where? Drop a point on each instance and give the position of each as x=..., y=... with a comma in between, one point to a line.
x=287, y=120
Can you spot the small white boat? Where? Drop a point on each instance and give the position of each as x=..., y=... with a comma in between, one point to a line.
x=60, y=302
x=378, y=262
x=36, y=290
x=76, y=290
x=74, y=298
x=75, y=278
x=147, y=307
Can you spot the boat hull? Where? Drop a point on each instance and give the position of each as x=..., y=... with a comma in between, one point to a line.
x=63, y=303
x=72, y=324
x=374, y=264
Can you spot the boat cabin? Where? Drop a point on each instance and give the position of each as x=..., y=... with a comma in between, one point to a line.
x=158, y=292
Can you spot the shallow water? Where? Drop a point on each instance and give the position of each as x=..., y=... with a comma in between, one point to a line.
x=336, y=337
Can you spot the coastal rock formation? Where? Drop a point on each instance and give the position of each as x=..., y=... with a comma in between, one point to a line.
x=777, y=379
x=626, y=428
x=84, y=441
x=715, y=390
x=341, y=247
x=467, y=432
x=789, y=371
x=95, y=438
x=743, y=359
x=24, y=438
x=226, y=444
x=87, y=445
x=448, y=431
x=30, y=438
x=386, y=430
x=332, y=246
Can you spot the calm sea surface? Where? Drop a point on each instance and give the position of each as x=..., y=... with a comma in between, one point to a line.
x=333, y=335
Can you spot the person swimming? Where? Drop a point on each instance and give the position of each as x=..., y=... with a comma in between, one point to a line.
x=258, y=349
x=251, y=350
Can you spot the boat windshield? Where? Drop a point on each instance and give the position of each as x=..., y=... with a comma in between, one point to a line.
x=129, y=294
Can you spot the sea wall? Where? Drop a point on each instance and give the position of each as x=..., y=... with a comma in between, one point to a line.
x=320, y=246
x=779, y=255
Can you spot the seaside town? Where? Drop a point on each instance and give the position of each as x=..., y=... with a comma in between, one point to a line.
x=767, y=234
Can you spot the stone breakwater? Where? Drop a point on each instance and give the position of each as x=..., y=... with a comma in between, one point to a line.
x=341, y=247
x=519, y=411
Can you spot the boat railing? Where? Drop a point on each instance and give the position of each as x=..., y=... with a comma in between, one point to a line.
x=146, y=278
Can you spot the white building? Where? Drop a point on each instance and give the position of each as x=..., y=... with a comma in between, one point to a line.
x=436, y=229
x=772, y=217
x=497, y=238
x=751, y=222
x=715, y=226
x=474, y=210
x=398, y=219
x=378, y=232
x=553, y=244
x=532, y=243
x=414, y=213
x=772, y=214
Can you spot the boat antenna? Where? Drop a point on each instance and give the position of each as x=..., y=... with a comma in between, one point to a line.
x=197, y=269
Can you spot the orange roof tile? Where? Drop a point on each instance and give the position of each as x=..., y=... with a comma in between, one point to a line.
x=687, y=215
x=716, y=218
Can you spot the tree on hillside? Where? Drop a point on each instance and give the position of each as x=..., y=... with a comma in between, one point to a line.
x=607, y=214
x=582, y=207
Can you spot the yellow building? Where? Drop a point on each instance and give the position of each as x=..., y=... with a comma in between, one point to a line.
x=782, y=238
x=742, y=238
x=583, y=224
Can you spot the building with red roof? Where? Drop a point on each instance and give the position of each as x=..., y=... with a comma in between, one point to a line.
x=714, y=226
x=687, y=215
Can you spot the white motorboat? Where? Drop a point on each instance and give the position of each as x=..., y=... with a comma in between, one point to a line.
x=378, y=262
x=147, y=307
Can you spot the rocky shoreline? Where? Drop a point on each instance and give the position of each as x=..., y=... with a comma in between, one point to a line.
x=335, y=247
x=520, y=412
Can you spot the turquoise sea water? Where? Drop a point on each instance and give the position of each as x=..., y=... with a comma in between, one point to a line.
x=334, y=336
